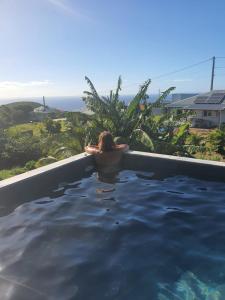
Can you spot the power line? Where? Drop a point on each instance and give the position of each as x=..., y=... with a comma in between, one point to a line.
x=182, y=69
x=169, y=73
x=176, y=71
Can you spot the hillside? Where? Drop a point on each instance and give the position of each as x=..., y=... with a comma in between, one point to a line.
x=16, y=113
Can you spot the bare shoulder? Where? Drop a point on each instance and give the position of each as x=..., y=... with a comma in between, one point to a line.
x=92, y=149
x=122, y=147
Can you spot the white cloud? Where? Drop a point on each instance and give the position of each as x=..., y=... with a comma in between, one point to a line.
x=63, y=6
x=21, y=84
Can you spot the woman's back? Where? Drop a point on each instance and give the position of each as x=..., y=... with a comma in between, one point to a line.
x=107, y=154
x=108, y=161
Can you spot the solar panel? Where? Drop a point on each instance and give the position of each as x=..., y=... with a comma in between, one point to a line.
x=201, y=100
x=216, y=98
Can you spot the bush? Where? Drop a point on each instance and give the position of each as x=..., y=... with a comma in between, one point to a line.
x=45, y=161
x=52, y=127
x=30, y=165
x=217, y=140
x=194, y=139
x=17, y=152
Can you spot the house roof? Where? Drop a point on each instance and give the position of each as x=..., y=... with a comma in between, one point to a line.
x=189, y=103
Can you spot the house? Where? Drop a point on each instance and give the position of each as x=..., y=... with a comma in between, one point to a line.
x=42, y=112
x=208, y=108
x=181, y=96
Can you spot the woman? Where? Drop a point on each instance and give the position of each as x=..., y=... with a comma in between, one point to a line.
x=107, y=154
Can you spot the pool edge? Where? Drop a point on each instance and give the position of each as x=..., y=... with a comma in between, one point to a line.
x=34, y=181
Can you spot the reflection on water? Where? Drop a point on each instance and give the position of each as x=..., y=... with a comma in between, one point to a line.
x=109, y=177
x=135, y=236
x=189, y=287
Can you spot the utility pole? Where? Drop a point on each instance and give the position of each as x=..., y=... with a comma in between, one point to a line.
x=44, y=103
x=213, y=69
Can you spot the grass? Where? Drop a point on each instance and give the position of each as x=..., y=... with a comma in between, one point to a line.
x=16, y=130
x=209, y=154
x=36, y=127
x=4, y=174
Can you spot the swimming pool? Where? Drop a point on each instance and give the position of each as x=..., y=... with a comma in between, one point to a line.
x=143, y=237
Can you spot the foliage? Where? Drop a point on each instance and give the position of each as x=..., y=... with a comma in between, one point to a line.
x=135, y=122
x=141, y=140
x=51, y=126
x=36, y=128
x=111, y=113
x=217, y=140
x=160, y=101
x=16, y=113
x=4, y=174
x=16, y=152
x=194, y=139
x=21, y=146
x=126, y=121
x=26, y=146
x=77, y=123
x=30, y=165
x=45, y=161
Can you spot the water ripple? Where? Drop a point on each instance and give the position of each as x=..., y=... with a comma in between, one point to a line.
x=139, y=238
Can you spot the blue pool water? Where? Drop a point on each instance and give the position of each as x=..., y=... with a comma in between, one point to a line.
x=137, y=238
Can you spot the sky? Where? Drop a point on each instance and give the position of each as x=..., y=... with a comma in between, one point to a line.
x=47, y=47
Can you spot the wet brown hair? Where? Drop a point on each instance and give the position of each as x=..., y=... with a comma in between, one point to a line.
x=105, y=142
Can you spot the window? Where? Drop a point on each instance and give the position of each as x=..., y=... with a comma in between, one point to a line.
x=207, y=113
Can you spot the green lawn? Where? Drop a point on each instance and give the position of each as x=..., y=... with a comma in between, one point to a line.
x=35, y=127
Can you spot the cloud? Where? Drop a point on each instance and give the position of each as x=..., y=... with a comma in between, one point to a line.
x=63, y=6
x=20, y=84
x=182, y=80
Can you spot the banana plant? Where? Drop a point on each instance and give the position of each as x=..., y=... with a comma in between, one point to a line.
x=129, y=123
x=111, y=113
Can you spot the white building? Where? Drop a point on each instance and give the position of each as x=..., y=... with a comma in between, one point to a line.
x=43, y=111
x=208, y=109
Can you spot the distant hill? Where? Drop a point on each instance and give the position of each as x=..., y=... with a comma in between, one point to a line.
x=16, y=113
x=20, y=104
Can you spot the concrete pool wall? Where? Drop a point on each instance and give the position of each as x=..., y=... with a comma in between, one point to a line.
x=33, y=183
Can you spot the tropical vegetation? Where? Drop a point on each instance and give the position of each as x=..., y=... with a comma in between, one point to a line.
x=26, y=143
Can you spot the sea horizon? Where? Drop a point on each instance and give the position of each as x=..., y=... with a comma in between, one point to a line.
x=67, y=103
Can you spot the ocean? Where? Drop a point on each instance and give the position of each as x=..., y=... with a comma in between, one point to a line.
x=66, y=103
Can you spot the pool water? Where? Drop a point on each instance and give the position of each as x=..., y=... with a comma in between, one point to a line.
x=138, y=238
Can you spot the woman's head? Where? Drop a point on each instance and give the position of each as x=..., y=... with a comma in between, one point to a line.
x=105, y=142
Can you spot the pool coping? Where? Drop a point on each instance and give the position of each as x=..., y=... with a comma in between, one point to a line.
x=178, y=158
x=42, y=170
x=22, y=178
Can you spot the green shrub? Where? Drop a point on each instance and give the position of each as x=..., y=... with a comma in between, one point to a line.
x=30, y=165
x=217, y=140
x=45, y=161
x=194, y=139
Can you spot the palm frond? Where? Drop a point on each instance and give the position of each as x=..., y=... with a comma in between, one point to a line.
x=134, y=104
x=93, y=90
x=142, y=137
x=118, y=89
x=163, y=96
